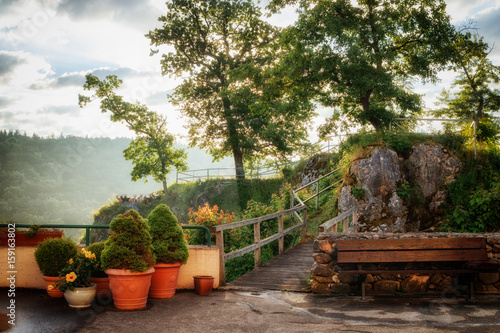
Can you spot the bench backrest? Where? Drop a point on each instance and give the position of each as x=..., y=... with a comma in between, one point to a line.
x=411, y=250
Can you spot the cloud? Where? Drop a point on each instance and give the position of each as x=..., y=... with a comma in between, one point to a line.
x=8, y=62
x=4, y=102
x=59, y=110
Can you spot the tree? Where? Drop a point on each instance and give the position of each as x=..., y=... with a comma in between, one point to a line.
x=151, y=152
x=475, y=98
x=360, y=57
x=230, y=99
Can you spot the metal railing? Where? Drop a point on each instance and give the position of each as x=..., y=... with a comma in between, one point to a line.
x=315, y=182
x=258, y=243
x=88, y=227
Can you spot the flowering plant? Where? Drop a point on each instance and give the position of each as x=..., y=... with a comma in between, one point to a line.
x=77, y=272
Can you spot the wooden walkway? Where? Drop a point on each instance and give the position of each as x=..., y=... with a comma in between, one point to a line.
x=288, y=271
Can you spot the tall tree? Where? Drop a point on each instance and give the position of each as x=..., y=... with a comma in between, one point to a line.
x=152, y=152
x=360, y=57
x=233, y=104
x=474, y=97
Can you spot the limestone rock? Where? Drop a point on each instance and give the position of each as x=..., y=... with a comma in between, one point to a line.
x=341, y=288
x=321, y=270
x=489, y=278
x=320, y=288
x=322, y=258
x=416, y=284
x=386, y=287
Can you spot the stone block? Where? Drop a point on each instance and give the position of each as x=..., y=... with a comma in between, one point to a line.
x=486, y=288
x=436, y=278
x=341, y=288
x=322, y=258
x=321, y=270
x=369, y=279
x=348, y=278
x=489, y=278
x=416, y=285
x=323, y=279
x=324, y=246
x=320, y=288
x=386, y=287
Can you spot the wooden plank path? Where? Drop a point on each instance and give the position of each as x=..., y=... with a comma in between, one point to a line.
x=288, y=271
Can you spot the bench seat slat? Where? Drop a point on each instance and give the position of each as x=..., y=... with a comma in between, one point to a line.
x=411, y=256
x=410, y=244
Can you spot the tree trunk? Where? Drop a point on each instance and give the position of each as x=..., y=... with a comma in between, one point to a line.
x=238, y=164
x=164, y=182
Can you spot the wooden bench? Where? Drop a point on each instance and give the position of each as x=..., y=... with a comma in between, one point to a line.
x=433, y=255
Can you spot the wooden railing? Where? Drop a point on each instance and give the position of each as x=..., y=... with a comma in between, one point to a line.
x=318, y=191
x=258, y=243
x=348, y=218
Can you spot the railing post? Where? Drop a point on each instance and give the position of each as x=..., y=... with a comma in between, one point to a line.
x=219, y=241
x=177, y=177
x=87, y=236
x=355, y=217
x=256, y=235
x=335, y=227
x=346, y=225
x=317, y=194
x=304, y=228
x=282, y=238
x=291, y=199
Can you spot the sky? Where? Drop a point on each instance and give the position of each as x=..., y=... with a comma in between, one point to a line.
x=48, y=46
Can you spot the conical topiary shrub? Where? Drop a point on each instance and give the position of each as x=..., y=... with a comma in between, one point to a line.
x=128, y=260
x=170, y=250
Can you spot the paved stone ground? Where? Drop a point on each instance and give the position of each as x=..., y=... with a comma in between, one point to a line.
x=269, y=311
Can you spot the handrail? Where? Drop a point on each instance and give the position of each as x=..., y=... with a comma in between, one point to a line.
x=258, y=243
x=97, y=226
x=318, y=192
x=333, y=223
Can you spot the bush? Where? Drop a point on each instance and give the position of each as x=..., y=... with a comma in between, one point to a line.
x=207, y=216
x=168, y=239
x=97, y=249
x=129, y=246
x=53, y=254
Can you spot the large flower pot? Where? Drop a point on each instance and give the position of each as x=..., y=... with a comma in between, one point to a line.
x=102, y=283
x=129, y=289
x=51, y=280
x=203, y=284
x=80, y=297
x=164, y=280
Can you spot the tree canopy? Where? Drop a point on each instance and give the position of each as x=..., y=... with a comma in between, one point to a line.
x=471, y=95
x=233, y=103
x=151, y=152
x=360, y=57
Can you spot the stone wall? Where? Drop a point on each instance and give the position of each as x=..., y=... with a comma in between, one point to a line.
x=326, y=278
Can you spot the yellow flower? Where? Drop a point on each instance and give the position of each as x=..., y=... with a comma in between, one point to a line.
x=50, y=287
x=71, y=261
x=71, y=277
x=89, y=255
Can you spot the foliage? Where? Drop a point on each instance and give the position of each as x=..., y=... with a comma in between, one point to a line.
x=52, y=254
x=97, y=248
x=129, y=245
x=480, y=213
x=406, y=190
x=168, y=243
x=476, y=98
x=233, y=103
x=77, y=272
x=358, y=192
x=361, y=57
x=152, y=152
x=207, y=217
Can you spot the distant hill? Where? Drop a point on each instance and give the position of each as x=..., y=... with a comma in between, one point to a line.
x=67, y=179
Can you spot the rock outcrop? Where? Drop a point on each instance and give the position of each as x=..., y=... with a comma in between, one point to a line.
x=399, y=195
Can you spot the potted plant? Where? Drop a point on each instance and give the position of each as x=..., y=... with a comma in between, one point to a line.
x=170, y=250
x=128, y=260
x=52, y=255
x=30, y=237
x=99, y=276
x=74, y=280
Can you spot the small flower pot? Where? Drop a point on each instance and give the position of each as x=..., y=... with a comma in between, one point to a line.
x=80, y=297
x=203, y=284
x=51, y=280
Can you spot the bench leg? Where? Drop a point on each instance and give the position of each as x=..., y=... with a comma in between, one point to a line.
x=363, y=291
x=471, y=290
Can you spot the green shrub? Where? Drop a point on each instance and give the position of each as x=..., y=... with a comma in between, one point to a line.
x=129, y=246
x=358, y=192
x=53, y=254
x=168, y=239
x=97, y=249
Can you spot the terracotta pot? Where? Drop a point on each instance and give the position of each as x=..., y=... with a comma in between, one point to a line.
x=80, y=297
x=102, y=283
x=203, y=284
x=164, y=280
x=129, y=289
x=54, y=292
